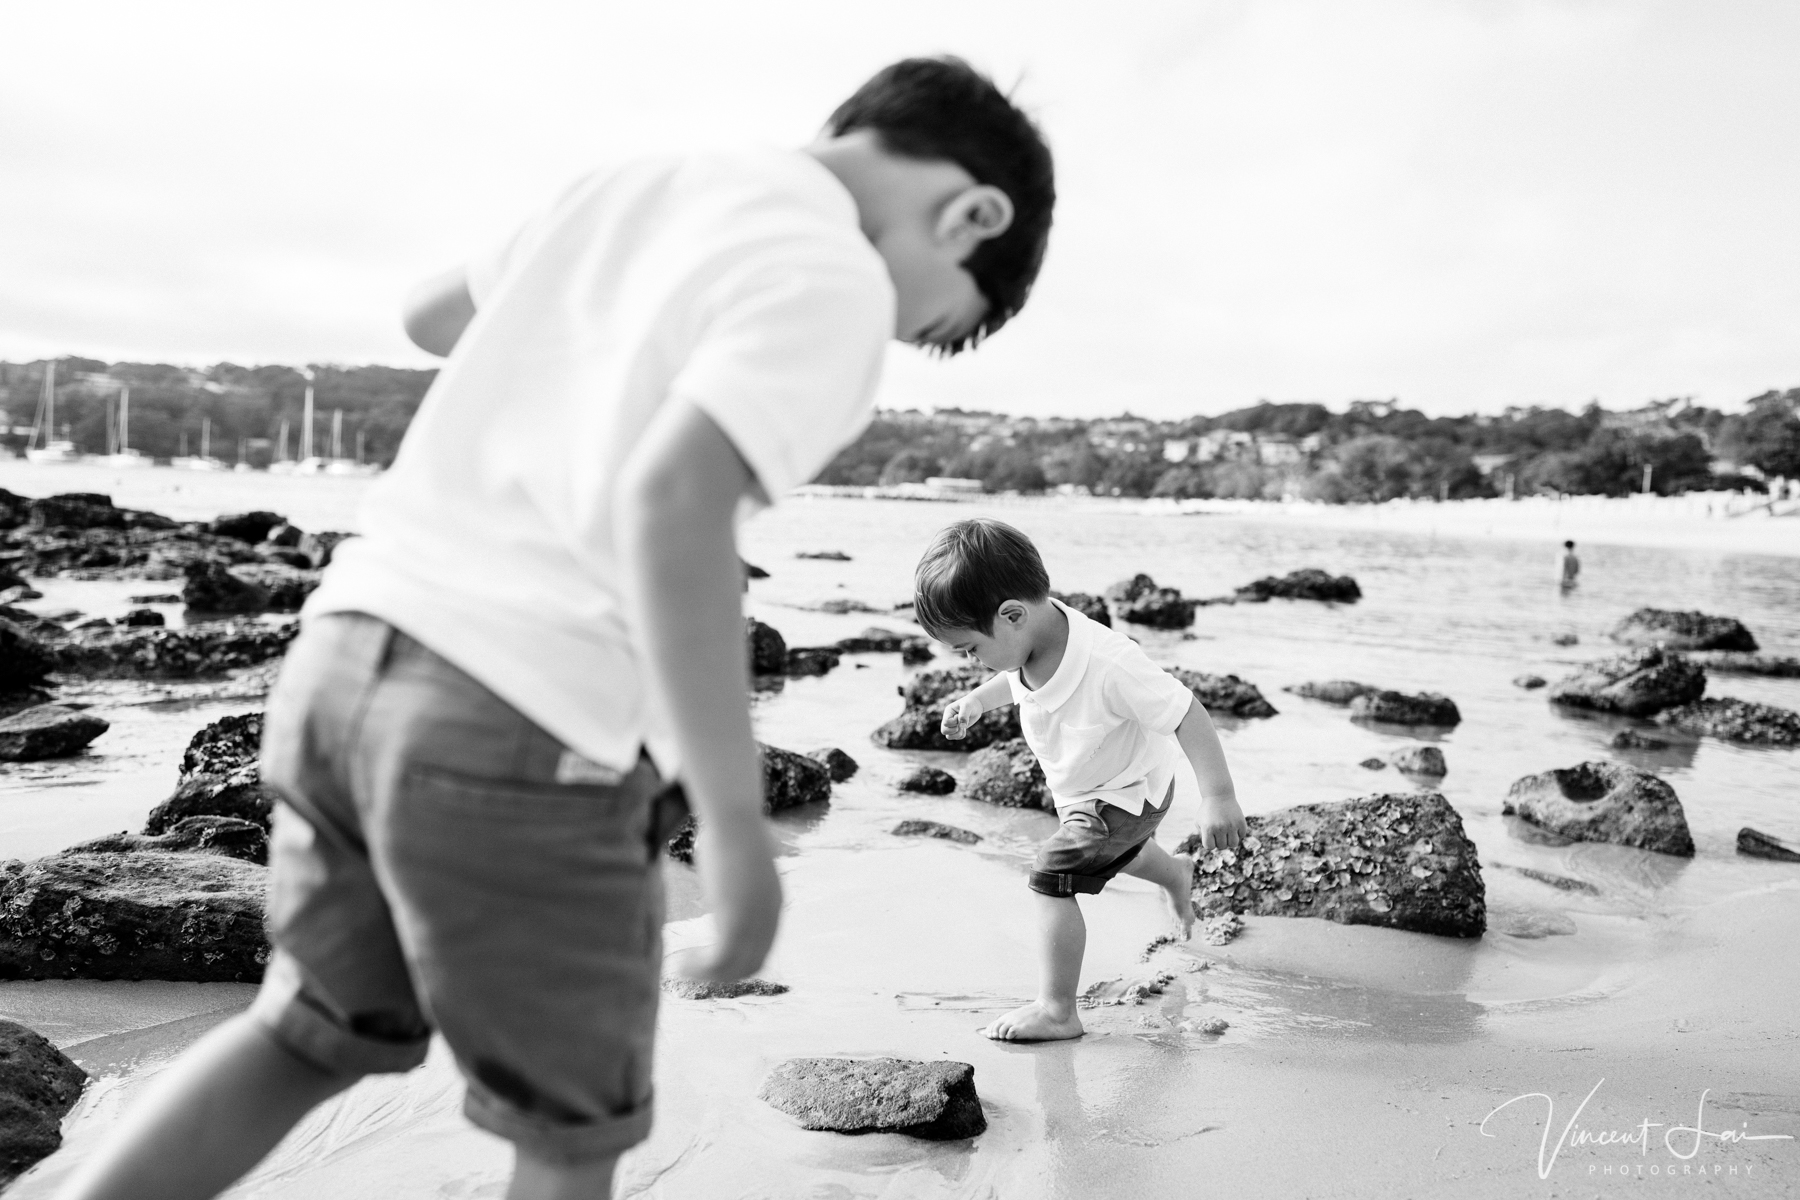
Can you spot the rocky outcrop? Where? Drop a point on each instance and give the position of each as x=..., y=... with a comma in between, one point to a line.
x=788, y=780
x=1757, y=844
x=229, y=836
x=220, y=777
x=874, y=640
x=1603, y=802
x=191, y=651
x=768, y=649
x=1421, y=760
x=39, y=1084
x=837, y=764
x=931, y=1100
x=1225, y=693
x=143, y=618
x=211, y=588
x=1092, y=607
x=920, y=725
x=286, y=585
x=250, y=527
x=1403, y=708
x=1307, y=584
x=25, y=658
x=810, y=660
x=48, y=731
x=1007, y=774
x=935, y=829
x=1637, y=684
x=1400, y=859
x=1332, y=691
x=1732, y=720
x=1674, y=630
x=929, y=781
x=320, y=548
x=1140, y=601
x=1736, y=662
x=141, y=915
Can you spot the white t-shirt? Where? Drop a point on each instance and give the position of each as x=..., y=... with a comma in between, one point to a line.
x=1103, y=726
x=741, y=283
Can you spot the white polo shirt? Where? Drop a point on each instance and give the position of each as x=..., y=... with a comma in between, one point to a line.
x=741, y=283
x=1103, y=726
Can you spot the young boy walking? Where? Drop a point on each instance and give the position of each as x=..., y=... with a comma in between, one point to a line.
x=541, y=624
x=1108, y=727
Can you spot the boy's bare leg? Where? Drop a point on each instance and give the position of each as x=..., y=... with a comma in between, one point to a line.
x=219, y=1110
x=1174, y=874
x=536, y=1179
x=1051, y=1016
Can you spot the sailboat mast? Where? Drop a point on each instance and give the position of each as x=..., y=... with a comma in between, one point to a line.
x=337, y=433
x=124, y=420
x=205, y=437
x=281, y=442
x=306, y=424
x=49, y=403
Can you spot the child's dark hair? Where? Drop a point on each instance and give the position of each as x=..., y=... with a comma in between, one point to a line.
x=970, y=570
x=942, y=108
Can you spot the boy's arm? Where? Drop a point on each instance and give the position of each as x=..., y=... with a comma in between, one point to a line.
x=966, y=710
x=1221, y=820
x=673, y=528
x=437, y=312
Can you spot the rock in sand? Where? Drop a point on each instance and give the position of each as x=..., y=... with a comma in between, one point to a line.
x=931, y=1100
x=1674, y=630
x=1758, y=844
x=1310, y=583
x=1640, y=683
x=1007, y=774
x=935, y=829
x=929, y=780
x=1225, y=693
x=1733, y=720
x=48, y=731
x=39, y=1084
x=1604, y=802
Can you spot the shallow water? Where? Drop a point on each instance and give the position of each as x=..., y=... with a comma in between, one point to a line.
x=903, y=946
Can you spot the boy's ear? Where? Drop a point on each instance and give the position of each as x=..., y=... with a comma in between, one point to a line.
x=975, y=215
x=1011, y=611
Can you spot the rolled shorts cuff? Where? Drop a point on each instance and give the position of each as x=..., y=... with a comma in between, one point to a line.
x=311, y=1034
x=564, y=1142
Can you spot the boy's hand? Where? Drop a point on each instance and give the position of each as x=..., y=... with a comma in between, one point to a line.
x=1222, y=825
x=736, y=864
x=959, y=716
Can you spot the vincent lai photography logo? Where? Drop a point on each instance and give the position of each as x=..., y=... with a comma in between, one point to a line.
x=1705, y=1145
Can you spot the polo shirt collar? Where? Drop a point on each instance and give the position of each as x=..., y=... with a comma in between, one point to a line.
x=1060, y=686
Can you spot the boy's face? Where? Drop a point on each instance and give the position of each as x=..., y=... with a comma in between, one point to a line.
x=1005, y=649
x=937, y=302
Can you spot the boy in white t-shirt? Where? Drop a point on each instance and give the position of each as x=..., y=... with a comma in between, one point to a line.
x=541, y=625
x=1108, y=727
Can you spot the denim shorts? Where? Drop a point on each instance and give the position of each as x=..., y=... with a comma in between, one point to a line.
x=1095, y=842
x=429, y=873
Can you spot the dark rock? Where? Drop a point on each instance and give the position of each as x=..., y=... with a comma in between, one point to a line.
x=1636, y=684
x=1734, y=662
x=224, y=745
x=284, y=535
x=211, y=588
x=138, y=915
x=39, y=1084
x=1760, y=845
x=321, y=547
x=24, y=698
x=1603, y=802
x=928, y=780
x=931, y=689
x=1673, y=630
x=1529, y=682
x=1421, y=760
x=935, y=829
x=10, y=579
x=1398, y=859
x=157, y=598
x=1141, y=602
x=697, y=989
x=47, y=731
x=915, y=651
x=285, y=556
x=251, y=527
x=1091, y=607
x=140, y=618
x=24, y=658
x=788, y=780
x=1007, y=774
x=768, y=649
x=931, y=1100
x=1307, y=584
x=1564, y=639
x=76, y=510
x=15, y=510
x=842, y=605
x=810, y=660
x=824, y=555
x=752, y=571
x=1373, y=764
x=1732, y=720
x=239, y=794
x=188, y=652
x=229, y=836
x=920, y=726
x=1631, y=739
x=13, y=595
x=875, y=640
x=1402, y=708
x=287, y=586
x=838, y=765
x=94, y=623
x=1225, y=693
x=1332, y=691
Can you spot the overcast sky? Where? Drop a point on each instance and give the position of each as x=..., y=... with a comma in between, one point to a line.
x=1464, y=204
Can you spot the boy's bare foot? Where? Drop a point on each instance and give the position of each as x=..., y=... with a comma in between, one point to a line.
x=1034, y=1023
x=1180, y=890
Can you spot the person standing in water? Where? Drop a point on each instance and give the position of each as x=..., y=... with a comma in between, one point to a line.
x=1568, y=567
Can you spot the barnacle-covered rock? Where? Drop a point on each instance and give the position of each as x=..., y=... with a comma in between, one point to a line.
x=920, y=725
x=1007, y=774
x=1225, y=693
x=1733, y=720
x=1675, y=630
x=148, y=652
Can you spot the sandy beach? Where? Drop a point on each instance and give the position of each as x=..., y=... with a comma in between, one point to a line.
x=1356, y=1062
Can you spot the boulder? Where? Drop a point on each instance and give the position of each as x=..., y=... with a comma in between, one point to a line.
x=1631, y=739
x=143, y=618
x=768, y=649
x=188, y=652
x=229, y=836
x=1736, y=662
x=211, y=588
x=1307, y=584
x=239, y=794
x=1529, y=682
x=287, y=585
x=931, y=1100
x=838, y=765
x=1332, y=691
x=138, y=915
x=1603, y=802
x=920, y=725
x=930, y=689
x=928, y=780
x=224, y=745
x=48, y=731
x=810, y=660
x=1141, y=602
x=1421, y=760
x=321, y=548
x=1225, y=693
x=1732, y=720
x=1373, y=764
x=284, y=534
x=788, y=779
x=76, y=510
x=1761, y=845
x=39, y=1084
x=24, y=657
x=824, y=555
x=1402, y=708
x=752, y=571
x=1007, y=774
x=699, y=989
x=251, y=527
x=15, y=510
x=935, y=829
x=1398, y=859
x=917, y=650
x=283, y=556
x=1674, y=630
x=1639, y=683
x=1091, y=607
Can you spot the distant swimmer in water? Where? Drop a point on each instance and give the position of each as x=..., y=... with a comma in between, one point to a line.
x=1568, y=566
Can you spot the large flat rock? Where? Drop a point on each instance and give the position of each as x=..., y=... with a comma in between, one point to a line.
x=1732, y=720
x=1405, y=708
x=48, y=731
x=931, y=1100
x=1638, y=684
x=149, y=652
x=1225, y=693
x=1676, y=630
x=1604, y=802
